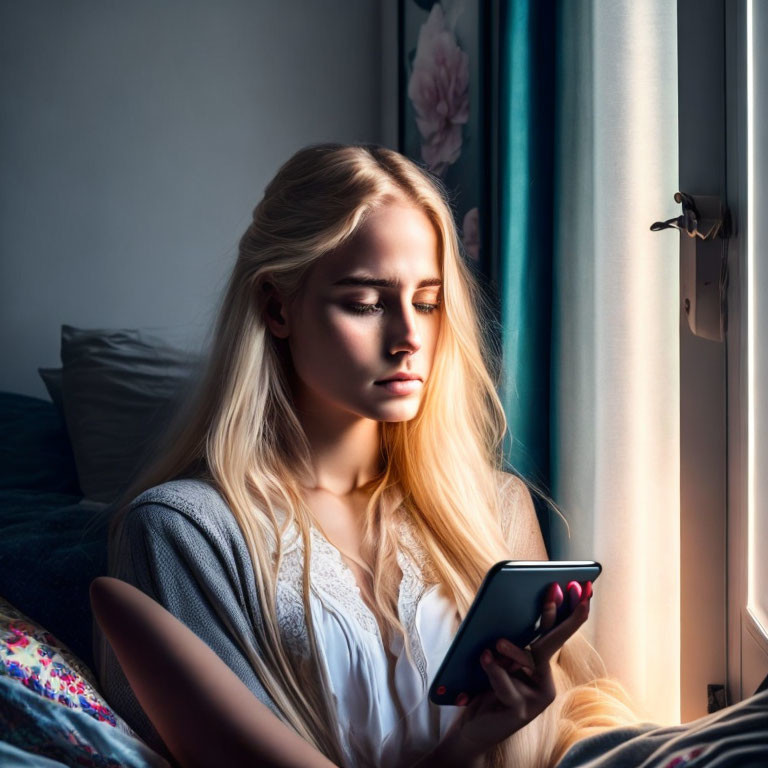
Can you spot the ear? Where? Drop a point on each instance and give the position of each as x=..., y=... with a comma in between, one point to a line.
x=275, y=312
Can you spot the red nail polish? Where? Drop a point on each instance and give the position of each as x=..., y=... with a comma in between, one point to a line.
x=441, y=689
x=558, y=594
x=574, y=593
x=587, y=591
x=462, y=699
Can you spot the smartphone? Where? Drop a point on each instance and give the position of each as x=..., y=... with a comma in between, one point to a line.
x=508, y=604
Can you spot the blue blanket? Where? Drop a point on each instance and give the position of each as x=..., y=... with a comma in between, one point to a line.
x=35, y=731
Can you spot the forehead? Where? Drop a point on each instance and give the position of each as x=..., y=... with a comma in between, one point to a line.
x=397, y=241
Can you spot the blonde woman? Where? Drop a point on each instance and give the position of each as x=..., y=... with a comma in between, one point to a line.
x=325, y=508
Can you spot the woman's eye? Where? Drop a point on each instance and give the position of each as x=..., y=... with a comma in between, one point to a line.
x=363, y=309
x=370, y=309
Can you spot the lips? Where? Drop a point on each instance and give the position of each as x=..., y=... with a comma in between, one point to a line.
x=400, y=377
x=400, y=386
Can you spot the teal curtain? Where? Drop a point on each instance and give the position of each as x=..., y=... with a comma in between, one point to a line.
x=526, y=223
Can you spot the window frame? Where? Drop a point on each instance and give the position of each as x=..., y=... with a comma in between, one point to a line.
x=747, y=644
x=703, y=372
x=712, y=103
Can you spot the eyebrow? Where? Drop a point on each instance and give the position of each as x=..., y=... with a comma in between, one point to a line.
x=381, y=282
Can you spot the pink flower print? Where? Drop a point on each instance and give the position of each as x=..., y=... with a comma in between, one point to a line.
x=97, y=711
x=21, y=640
x=470, y=233
x=439, y=90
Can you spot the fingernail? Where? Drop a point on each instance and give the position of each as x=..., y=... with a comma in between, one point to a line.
x=554, y=594
x=504, y=645
x=462, y=699
x=485, y=657
x=587, y=590
x=574, y=593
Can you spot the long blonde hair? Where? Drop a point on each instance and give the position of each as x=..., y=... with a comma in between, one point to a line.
x=239, y=431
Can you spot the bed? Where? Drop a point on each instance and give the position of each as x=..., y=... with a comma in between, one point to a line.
x=63, y=461
x=53, y=544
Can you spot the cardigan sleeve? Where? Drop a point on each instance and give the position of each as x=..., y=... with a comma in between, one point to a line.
x=182, y=551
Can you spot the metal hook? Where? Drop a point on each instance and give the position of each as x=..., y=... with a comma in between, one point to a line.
x=715, y=223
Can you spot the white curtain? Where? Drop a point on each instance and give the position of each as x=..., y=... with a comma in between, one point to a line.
x=615, y=334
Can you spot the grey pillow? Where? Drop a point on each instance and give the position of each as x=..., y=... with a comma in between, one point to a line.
x=120, y=388
x=52, y=379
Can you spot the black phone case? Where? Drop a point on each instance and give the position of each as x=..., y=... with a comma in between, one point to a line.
x=508, y=604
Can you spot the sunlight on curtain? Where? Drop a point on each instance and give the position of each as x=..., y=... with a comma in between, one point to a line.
x=757, y=276
x=615, y=469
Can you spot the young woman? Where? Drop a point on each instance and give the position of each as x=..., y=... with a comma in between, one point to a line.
x=325, y=508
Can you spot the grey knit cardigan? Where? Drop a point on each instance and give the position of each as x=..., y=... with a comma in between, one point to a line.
x=180, y=544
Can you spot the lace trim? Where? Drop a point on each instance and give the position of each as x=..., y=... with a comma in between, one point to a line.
x=333, y=581
x=290, y=612
x=330, y=579
x=412, y=589
x=332, y=576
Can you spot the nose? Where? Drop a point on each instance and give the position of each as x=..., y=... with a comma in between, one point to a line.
x=403, y=333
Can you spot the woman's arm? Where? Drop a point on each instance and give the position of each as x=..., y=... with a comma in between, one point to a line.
x=204, y=713
x=182, y=548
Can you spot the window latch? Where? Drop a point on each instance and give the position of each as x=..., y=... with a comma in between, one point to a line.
x=704, y=227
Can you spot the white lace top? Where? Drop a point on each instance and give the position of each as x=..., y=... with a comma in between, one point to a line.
x=380, y=725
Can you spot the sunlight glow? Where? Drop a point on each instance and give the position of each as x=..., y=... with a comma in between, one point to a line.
x=753, y=606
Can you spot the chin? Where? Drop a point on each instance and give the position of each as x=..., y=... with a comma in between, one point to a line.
x=398, y=412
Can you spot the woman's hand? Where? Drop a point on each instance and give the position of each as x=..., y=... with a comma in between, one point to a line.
x=521, y=680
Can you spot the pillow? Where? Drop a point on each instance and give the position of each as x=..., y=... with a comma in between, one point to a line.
x=50, y=705
x=52, y=379
x=120, y=389
x=35, y=454
x=37, y=660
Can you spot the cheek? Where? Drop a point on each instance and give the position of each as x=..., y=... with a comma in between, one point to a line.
x=430, y=337
x=339, y=340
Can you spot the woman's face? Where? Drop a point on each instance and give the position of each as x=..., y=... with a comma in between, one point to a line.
x=368, y=311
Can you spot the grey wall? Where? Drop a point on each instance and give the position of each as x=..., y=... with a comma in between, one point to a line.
x=136, y=138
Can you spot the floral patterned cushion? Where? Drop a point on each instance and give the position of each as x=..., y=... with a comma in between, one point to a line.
x=37, y=660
